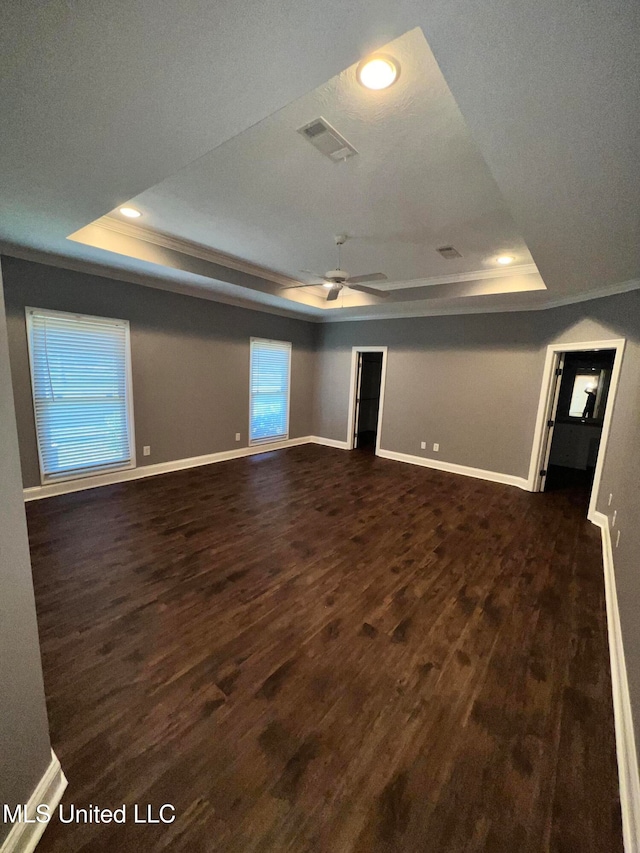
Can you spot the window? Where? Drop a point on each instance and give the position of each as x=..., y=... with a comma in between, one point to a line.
x=269, y=390
x=80, y=376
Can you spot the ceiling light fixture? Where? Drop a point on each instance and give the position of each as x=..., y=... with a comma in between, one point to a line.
x=378, y=72
x=505, y=259
x=130, y=212
x=328, y=284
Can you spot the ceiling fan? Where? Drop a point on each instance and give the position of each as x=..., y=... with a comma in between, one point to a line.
x=338, y=278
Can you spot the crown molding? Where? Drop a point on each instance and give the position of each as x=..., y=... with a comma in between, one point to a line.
x=155, y=282
x=196, y=250
x=309, y=315
x=190, y=249
x=600, y=293
x=436, y=311
x=455, y=278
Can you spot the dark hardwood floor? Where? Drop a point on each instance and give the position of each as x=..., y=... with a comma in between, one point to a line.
x=325, y=652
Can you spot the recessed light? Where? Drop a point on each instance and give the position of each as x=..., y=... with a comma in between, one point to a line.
x=505, y=259
x=377, y=72
x=130, y=212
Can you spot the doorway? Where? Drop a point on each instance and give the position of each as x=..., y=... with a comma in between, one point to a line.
x=576, y=425
x=367, y=396
x=367, y=400
x=574, y=417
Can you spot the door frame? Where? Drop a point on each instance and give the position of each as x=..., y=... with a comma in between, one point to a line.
x=547, y=401
x=547, y=435
x=352, y=394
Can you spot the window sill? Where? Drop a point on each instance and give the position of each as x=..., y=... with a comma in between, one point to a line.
x=271, y=440
x=50, y=479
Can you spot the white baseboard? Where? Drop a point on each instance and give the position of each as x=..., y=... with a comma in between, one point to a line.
x=629, y=777
x=24, y=837
x=62, y=488
x=65, y=487
x=329, y=442
x=452, y=468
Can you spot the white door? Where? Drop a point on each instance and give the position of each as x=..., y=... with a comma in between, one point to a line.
x=551, y=421
x=356, y=413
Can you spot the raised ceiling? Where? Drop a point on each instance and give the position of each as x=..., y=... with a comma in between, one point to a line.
x=165, y=102
x=416, y=183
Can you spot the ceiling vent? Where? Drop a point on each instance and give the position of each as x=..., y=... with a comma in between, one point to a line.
x=327, y=140
x=449, y=253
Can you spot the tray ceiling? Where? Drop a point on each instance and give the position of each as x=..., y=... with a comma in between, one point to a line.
x=103, y=103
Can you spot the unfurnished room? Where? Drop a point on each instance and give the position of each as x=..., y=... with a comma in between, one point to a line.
x=320, y=423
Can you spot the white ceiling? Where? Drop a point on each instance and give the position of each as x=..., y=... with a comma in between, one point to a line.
x=417, y=183
x=102, y=100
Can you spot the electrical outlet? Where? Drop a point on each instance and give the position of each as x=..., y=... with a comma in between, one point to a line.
x=610, y=499
x=613, y=520
x=237, y=436
x=146, y=450
x=436, y=447
x=618, y=539
x=423, y=445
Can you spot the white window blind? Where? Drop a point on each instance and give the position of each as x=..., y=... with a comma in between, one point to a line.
x=81, y=393
x=269, y=390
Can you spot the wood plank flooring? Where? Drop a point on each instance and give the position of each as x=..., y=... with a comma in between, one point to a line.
x=325, y=652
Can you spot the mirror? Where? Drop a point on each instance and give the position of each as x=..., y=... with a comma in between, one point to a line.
x=586, y=394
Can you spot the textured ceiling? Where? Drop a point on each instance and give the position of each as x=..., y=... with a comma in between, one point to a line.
x=418, y=182
x=103, y=100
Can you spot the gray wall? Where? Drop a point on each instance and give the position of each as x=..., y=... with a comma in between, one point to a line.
x=472, y=384
x=447, y=380
x=24, y=732
x=190, y=361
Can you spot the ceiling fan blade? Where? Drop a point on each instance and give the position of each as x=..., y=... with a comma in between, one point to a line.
x=371, y=290
x=294, y=286
x=315, y=274
x=332, y=295
x=372, y=276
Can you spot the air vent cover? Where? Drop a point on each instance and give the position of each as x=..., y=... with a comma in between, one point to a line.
x=449, y=252
x=327, y=140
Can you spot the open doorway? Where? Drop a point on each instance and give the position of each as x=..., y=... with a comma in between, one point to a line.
x=576, y=426
x=367, y=397
x=367, y=400
x=574, y=417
